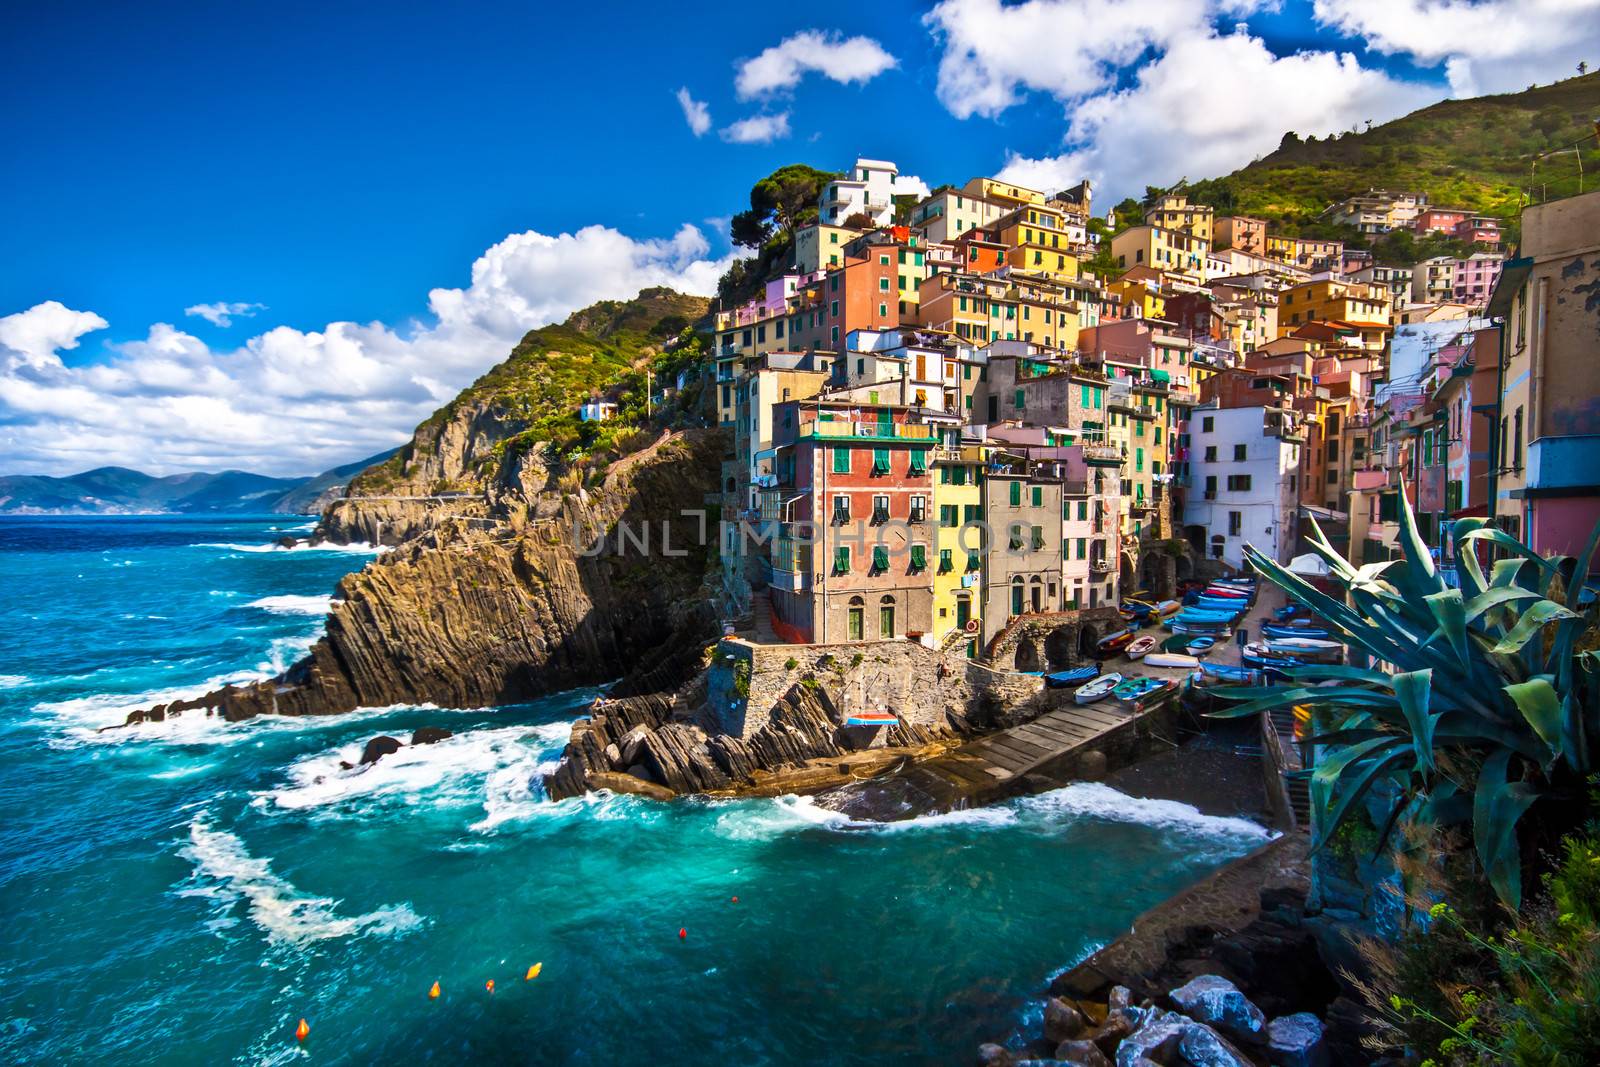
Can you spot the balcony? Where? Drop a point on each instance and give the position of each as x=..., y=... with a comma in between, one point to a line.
x=877, y=431
x=1103, y=454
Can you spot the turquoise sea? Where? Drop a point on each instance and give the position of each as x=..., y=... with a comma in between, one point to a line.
x=185, y=892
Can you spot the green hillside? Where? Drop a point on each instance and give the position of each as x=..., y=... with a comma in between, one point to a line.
x=534, y=393
x=1472, y=154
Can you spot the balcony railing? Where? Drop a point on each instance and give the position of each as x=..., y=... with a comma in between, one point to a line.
x=876, y=430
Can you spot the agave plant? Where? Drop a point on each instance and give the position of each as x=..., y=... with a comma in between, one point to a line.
x=1485, y=702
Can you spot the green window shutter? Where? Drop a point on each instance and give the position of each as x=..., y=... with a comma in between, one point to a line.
x=1083, y=511
x=880, y=558
x=919, y=557
x=1016, y=494
x=841, y=460
x=972, y=561
x=960, y=475
x=1038, y=496
x=919, y=462
x=880, y=461
x=841, y=560
x=945, y=563
x=1020, y=398
x=1138, y=459
x=1083, y=548
x=1038, y=538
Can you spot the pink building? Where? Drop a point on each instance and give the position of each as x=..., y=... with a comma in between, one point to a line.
x=1440, y=219
x=1478, y=229
x=1475, y=277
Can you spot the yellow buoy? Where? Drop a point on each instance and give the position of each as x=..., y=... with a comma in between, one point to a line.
x=301, y=1031
x=433, y=994
x=533, y=972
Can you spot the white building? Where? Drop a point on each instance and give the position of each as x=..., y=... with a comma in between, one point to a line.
x=869, y=190
x=948, y=214
x=597, y=409
x=1244, y=489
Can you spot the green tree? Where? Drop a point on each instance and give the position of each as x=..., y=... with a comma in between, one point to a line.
x=780, y=203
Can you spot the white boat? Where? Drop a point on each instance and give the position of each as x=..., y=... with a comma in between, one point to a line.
x=1098, y=689
x=1172, y=659
x=1140, y=646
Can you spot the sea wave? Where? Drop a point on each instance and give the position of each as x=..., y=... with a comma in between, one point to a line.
x=358, y=547
x=747, y=820
x=226, y=872
x=290, y=604
x=14, y=681
x=497, y=767
x=1098, y=801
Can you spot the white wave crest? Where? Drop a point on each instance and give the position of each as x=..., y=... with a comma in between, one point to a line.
x=290, y=604
x=284, y=651
x=1098, y=801
x=357, y=547
x=14, y=681
x=499, y=768
x=225, y=871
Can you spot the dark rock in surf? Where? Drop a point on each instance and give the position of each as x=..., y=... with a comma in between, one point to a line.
x=378, y=747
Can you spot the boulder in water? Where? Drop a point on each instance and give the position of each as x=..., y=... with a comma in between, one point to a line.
x=286, y=542
x=1081, y=1054
x=379, y=747
x=1218, y=1002
x=1062, y=1021
x=428, y=735
x=993, y=1055
x=1296, y=1041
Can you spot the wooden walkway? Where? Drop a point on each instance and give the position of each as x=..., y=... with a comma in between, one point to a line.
x=993, y=767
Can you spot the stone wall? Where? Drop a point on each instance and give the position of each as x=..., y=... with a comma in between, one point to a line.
x=923, y=686
x=1052, y=640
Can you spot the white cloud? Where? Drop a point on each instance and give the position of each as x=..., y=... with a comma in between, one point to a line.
x=1210, y=104
x=1486, y=46
x=910, y=185
x=757, y=129
x=289, y=401
x=33, y=337
x=994, y=52
x=841, y=59
x=695, y=112
x=223, y=313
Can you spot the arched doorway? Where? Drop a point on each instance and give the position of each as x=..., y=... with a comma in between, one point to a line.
x=1036, y=593
x=886, y=617
x=1088, y=639
x=1027, y=658
x=1058, y=647
x=858, y=619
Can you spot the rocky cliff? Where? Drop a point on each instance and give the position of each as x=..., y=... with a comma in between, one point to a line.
x=469, y=615
x=495, y=453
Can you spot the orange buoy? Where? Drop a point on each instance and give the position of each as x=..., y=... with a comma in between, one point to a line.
x=489, y=985
x=736, y=900
x=433, y=993
x=301, y=1031
x=683, y=933
x=533, y=972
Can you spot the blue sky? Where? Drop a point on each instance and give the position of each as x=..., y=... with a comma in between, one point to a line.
x=335, y=163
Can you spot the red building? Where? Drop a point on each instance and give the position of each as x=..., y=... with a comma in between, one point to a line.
x=851, y=560
x=862, y=294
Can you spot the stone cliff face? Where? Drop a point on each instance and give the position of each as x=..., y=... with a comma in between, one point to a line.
x=474, y=613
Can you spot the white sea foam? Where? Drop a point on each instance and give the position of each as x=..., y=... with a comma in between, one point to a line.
x=290, y=604
x=14, y=681
x=1098, y=801
x=498, y=767
x=227, y=873
x=357, y=547
x=283, y=652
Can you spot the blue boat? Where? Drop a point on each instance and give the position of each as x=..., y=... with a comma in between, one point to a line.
x=1270, y=629
x=1225, y=674
x=1226, y=606
x=1071, y=679
x=1284, y=614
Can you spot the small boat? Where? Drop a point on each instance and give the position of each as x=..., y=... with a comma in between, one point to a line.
x=1287, y=612
x=1068, y=679
x=871, y=718
x=1140, y=646
x=1200, y=644
x=1305, y=648
x=1098, y=689
x=1189, y=644
x=1168, y=608
x=1225, y=674
x=1171, y=659
x=1272, y=629
x=1111, y=644
x=1225, y=590
x=1137, y=690
x=1227, y=607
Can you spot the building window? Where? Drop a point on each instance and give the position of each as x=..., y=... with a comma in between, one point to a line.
x=880, y=510
x=1207, y=424
x=841, y=561
x=841, y=460
x=1239, y=453
x=880, y=559
x=919, y=509
x=841, y=508
x=1038, y=496
x=1016, y=494
x=919, y=558
x=1235, y=523
x=1238, y=483
x=1211, y=453
x=946, y=565
x=880, y=461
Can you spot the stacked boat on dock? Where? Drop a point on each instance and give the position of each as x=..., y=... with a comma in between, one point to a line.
x=1214, y=610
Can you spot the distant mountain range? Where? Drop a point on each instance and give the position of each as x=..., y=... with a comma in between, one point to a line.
x=120, y=491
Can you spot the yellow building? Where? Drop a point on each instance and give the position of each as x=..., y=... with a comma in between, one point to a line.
x=818, y=246
x=957, y=499
x=1037, y=242
x=1003, y=192
x=1167, y=250
x=1140, y=289
x=1326, y=300
x=1174, y=212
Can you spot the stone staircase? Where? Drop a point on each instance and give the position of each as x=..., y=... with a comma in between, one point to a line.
x=761, y=603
